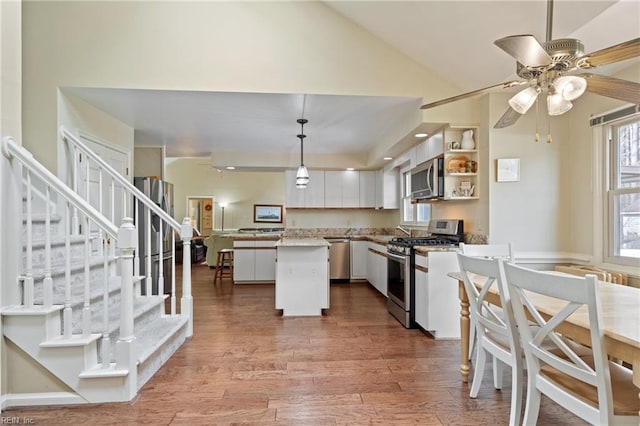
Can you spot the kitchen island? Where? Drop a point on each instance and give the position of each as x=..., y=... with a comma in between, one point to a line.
x=302, y=276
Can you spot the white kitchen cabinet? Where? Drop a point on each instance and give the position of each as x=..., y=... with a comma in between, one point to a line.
x=244, y=258
x=367, y=180
x=254, y=261
x=265, y=261
x=432, y=147
x=310, y=197
x=333, y=189
x=342, y=189
x=388, y=189
x=421, y=294
x=436, y=294
x=302, y=278
x=377, y=267
x=359, y=251
x=350, y=189
x=314, y=193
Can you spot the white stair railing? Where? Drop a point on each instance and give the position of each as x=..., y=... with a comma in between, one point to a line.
x=32, y=173
x=151, y=210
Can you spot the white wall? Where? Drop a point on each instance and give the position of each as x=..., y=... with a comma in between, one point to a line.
x=10, y=125
x=277, y=47
x=76, y=114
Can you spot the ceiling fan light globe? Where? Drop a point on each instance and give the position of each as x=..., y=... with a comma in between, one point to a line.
x=557, y=104
x=523, y=100
x=571, y=87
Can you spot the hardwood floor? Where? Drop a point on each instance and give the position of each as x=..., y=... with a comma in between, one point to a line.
x=246, y=364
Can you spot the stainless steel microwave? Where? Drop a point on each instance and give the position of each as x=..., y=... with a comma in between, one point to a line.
x=427, y=180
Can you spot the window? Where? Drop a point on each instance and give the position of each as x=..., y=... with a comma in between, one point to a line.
x=412, y=214
x=623, y=191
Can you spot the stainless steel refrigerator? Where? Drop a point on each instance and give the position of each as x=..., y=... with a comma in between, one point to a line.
x=161, y=193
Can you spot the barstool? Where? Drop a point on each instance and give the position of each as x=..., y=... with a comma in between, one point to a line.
x=225, y=258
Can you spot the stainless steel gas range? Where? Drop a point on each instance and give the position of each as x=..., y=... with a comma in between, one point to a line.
x=401, y=263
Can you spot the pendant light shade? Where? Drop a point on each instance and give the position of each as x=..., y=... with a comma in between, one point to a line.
x=302, y=176
x=523, y=100
x=557, y=104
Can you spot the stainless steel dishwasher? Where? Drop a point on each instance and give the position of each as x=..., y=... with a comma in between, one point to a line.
x=339, y=259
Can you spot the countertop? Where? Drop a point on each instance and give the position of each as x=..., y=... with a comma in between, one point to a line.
x=426, y=249
x=302, y=242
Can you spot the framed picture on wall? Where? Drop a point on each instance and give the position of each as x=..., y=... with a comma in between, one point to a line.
x=270, y=213
x=508, y=169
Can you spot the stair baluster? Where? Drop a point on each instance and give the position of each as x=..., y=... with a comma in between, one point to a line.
x=67, y=317
x=147, y=249
x=47, y=284
x=173, y=273
x=28, y=271
x=105, y=345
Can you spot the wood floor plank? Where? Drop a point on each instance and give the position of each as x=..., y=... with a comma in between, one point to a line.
x=355, y=365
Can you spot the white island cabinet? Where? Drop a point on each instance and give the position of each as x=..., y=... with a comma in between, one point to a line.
x=302, y=276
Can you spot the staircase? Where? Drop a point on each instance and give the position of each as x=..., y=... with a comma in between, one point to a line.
x=76, y=308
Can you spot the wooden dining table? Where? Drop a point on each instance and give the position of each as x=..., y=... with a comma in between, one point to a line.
x=620, y=313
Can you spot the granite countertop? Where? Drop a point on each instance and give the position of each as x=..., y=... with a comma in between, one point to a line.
x=427, y=249
x=302, y=242
x=263, y=236
x=379, y=239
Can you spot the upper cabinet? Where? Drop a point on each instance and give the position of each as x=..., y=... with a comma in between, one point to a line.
x=461, y=166
x=367, y=189
x=343, y=189
x=311, y=197
x=430, y=148
x=388, y=189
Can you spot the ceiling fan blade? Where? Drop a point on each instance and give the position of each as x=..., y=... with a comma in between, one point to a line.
x=473, y=93
x=525, y=49
x=616, y=88
x=619, y=52
x=509, y=118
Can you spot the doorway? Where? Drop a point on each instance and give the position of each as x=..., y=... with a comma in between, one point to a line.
x=200, y=212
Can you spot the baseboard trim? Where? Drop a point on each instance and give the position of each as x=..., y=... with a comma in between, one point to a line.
x=40, y=398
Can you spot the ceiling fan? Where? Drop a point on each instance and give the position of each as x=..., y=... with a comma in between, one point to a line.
x=548, y=67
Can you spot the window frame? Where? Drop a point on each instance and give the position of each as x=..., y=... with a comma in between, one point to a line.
x=611, y=192
x=405, y=198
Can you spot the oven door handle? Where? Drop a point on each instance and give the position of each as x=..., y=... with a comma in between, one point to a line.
x=399, y=258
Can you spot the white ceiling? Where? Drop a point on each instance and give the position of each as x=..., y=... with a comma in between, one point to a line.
x=453, y=39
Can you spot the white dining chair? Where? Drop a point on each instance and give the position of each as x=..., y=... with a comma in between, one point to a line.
x=487, y=251
x=496, y=333
x=591, y=387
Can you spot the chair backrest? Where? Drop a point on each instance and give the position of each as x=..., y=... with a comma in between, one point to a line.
x=487, y=274
x=549, y=362
x=492, y=251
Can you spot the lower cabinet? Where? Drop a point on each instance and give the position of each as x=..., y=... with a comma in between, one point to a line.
x=377, y=267
x=359, y=259
x=437, y=304
x=254, y=261
x=422, y=307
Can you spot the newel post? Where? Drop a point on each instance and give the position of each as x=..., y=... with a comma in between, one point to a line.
x=186, y=303
x=126, y=243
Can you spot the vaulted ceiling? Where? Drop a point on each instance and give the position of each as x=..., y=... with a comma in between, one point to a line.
x=452, y=39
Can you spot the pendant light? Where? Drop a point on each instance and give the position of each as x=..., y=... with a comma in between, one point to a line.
x=302, y=177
